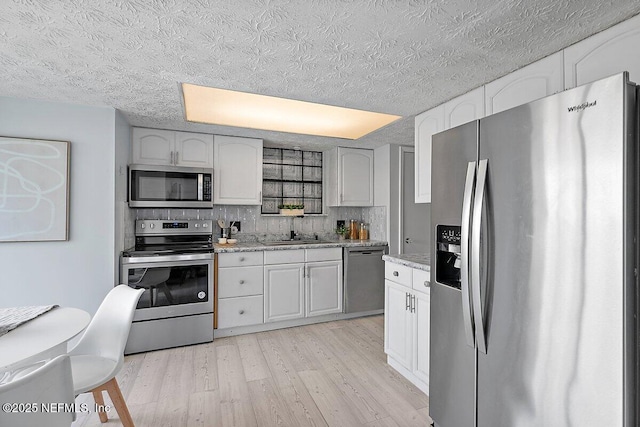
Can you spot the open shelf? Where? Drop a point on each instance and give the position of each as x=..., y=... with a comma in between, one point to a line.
x=291, y=177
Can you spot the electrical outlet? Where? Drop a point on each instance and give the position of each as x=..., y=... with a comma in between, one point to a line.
x=340, y=223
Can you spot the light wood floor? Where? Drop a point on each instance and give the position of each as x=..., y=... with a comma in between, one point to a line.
x=329, y=374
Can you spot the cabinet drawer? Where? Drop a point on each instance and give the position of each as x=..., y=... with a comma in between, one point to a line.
x=288, y=256
x=421, y=280
x=240, y=259
x=323, y=254
x=240, y=311
x=398, y=273
x=240, y=281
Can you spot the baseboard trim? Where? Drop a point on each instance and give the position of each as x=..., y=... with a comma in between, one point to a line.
x=263, y=327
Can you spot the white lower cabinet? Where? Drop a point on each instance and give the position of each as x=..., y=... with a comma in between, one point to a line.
x=398, y=336
x=239, y=289
x=421, y=328
x=283, y=292
x=295, y=290
x=323, y=288
x=407, y=324
x=279, y=285
x=240, y=311
x=239, y=281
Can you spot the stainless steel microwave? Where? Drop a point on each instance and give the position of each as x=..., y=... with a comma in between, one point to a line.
x=170, y=187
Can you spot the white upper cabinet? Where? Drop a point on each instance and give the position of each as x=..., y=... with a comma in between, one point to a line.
x=460, y=110
x=237, y=171
x=426, y=124
x=349, y=177
x=171, y=148
x=527, y=84
x=464, y=109
x=153, y=146
x=604, y=54
x=194, y=149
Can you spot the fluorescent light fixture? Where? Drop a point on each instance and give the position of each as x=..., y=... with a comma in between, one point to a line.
x=230, y=108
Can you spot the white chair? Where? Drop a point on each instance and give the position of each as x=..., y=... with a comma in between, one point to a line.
x=50, y=384
x=153, y=279
x=99, y=355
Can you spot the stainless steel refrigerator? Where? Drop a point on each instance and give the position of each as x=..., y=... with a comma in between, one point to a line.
x=534, y=218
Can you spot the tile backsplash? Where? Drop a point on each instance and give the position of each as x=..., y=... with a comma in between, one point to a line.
x=257, y=227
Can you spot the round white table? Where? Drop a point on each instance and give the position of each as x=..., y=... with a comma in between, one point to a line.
x=41, y=338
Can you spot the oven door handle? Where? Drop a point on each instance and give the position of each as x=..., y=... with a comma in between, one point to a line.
x=167, y=258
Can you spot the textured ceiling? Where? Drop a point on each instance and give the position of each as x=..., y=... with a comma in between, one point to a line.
x=391, y=56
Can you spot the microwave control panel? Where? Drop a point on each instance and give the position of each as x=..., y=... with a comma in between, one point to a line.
x=206, y=188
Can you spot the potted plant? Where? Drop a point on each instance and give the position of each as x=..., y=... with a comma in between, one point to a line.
x=342, y=232
x=291, y=210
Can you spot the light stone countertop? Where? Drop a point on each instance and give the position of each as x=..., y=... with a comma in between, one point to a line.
x=259, y=246
x=419, y=261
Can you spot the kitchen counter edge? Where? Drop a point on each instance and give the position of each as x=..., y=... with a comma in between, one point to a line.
x=257, y=246
x=418, y=261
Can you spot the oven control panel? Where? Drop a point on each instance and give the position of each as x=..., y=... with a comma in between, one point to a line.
x=177, y=224
x=145, y=227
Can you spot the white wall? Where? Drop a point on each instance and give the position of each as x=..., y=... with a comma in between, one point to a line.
x=386, y=181
x=80, y=271
x=122, y=149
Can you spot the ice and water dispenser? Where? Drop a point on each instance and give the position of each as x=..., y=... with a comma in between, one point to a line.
x=448, y=255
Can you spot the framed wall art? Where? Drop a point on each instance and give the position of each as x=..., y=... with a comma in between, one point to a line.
x=34, y=190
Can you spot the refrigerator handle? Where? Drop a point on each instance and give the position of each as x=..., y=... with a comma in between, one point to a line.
x=467, y=314
x=475, y=255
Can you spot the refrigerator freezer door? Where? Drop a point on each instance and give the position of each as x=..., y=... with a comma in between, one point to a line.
x=452, y=361
x=553, y=261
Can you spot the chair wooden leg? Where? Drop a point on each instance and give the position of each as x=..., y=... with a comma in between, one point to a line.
x=118, y=401
x=97, y=396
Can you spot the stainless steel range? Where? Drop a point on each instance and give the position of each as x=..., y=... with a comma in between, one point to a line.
x=173, y=262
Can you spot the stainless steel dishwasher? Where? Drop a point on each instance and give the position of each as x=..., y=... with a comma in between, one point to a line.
x=364, y=278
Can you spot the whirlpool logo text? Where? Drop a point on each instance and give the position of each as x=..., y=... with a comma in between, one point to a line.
x=582, y=106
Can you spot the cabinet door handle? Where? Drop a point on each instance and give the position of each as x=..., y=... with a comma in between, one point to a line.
x=242, y=282
x=175, y=157
x=260, y=197
x=413, y=303
x=395, y=273
x=241, y=259
x=241, y=311
x=407, y=303
x=171, y=157
x=427, y=284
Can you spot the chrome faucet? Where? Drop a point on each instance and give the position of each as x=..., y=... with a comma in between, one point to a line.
x=293, y=234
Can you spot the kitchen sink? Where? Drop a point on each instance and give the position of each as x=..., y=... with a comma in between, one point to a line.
x=292, y=242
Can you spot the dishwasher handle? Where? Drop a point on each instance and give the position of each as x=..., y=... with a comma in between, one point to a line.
x=367, y=252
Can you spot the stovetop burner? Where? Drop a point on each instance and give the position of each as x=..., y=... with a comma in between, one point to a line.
x=157, y=237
